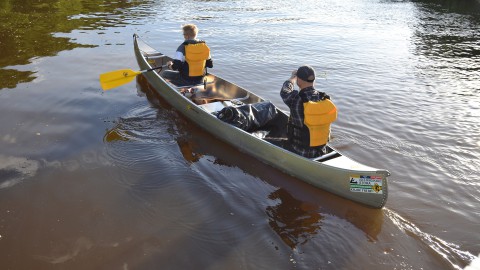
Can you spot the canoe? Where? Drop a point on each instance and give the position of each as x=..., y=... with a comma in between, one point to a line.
x=333, y=172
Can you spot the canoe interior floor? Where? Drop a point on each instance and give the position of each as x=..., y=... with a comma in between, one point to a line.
x=274, y=132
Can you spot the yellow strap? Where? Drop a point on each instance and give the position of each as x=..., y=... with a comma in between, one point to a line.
x=318, y=117
x=196, y=56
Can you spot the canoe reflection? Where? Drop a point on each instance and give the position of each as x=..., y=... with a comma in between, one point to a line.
x=294, y=221
x=295, y=210
x=186, y=147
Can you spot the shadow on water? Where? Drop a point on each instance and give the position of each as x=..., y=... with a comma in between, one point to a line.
x=28, y=29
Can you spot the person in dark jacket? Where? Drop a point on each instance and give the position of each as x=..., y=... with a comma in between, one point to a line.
x=191, y=59
x=311, y=113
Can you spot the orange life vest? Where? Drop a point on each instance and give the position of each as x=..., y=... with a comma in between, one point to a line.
x=318, y=117
x=196, y=55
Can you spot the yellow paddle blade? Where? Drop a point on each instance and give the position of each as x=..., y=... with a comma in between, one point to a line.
x=116, y=78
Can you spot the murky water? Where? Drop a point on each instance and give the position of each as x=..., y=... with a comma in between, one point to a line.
x=120, y=180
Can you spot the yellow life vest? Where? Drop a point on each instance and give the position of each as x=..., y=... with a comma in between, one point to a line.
x=196, y=56
x=318, y=117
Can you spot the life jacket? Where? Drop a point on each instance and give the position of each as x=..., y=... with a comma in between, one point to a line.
x=196, y=55
x=318, y=115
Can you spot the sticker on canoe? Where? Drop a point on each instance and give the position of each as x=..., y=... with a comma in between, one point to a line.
x=366, y=184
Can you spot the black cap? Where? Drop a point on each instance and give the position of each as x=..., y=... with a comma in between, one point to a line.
x=306, y=73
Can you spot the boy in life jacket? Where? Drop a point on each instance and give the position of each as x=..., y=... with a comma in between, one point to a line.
x=311, y=113
x=191, y=59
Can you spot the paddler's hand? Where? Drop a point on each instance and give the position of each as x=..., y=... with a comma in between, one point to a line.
x=169, y=64
x=293, y=77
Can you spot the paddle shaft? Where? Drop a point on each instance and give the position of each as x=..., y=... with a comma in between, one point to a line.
x=116, y=78
x=150, y=69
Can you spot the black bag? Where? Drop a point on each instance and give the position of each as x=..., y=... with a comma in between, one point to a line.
x=249, y=117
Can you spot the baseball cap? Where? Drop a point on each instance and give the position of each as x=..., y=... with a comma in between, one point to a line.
x=306, y=73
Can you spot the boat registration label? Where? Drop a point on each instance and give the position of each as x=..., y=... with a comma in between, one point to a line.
x=366, y=184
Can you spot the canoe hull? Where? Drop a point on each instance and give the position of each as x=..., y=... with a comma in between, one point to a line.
x=341, y=176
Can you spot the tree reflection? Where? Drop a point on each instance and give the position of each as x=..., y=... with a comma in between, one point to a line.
x=445, y=38
x=294, y=221
x=444, y=29
x=459, y=6
x=27, y=29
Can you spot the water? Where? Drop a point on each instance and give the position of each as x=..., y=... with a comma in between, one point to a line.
x=120, y=180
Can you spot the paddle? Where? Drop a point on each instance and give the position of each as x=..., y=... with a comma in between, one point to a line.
x=116, y=78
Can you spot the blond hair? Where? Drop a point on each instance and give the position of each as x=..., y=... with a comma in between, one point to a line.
x=190, y=30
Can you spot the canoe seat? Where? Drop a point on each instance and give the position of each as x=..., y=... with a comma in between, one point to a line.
x=331, y=155
x=154, y=56
x=179, y=87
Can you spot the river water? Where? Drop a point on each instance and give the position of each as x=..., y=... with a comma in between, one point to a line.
x=119, y=180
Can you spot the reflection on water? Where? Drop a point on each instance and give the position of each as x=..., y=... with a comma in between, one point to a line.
x=28, y=28
x=120, y=132
x=116, y=134
x=447, y=46
x=457, y=6
x=294, y=221
x=9, y=78
x=14, y=170
x=186, y=147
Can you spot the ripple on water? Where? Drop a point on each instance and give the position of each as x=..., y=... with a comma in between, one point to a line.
x=14, y=170
x=449, y=251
